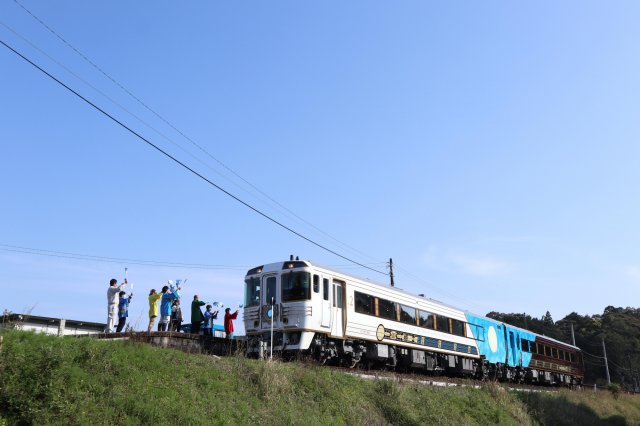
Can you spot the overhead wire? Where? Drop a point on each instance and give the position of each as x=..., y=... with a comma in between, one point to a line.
x=113, y=101
x=116, y=103
x=194, y=143
x=107, y=259
x=185, y=136
x=185, y=166
x=591, y=355
x=433, y=287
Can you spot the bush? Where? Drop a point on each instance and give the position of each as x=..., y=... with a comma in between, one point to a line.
x=615, y=390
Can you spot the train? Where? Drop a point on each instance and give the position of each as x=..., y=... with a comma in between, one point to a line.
x=299, y=308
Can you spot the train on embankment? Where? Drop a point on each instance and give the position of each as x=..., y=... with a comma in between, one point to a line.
x=340, y=319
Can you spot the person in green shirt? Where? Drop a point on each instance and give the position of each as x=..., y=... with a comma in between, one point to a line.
x=196, y=314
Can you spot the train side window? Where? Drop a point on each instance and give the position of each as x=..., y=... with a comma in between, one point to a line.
x=457, y=327
x=364, y=303
x=325, y=289
x=547, y=350
x=426, y=319
x=337, y=296
x=316, y=284
x=525, y=345
x=477, y=332
x=442, y=324
x=554, y=352
x=386, y=309
x=572, y=357
x=407, y=315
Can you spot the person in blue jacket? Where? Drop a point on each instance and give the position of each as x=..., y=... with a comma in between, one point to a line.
x=209, y=316
x=123, y=310
x=169, y=294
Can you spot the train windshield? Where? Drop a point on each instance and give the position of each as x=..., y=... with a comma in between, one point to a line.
x=296, y=286
x=252, y=291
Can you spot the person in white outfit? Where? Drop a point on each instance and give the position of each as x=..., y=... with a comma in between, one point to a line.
x=112, y=303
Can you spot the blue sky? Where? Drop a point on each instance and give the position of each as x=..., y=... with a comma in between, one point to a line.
x=490, y=148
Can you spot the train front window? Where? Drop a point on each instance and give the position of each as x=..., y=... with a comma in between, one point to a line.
x=296, y=286
x=271, y=291
x=252, y=291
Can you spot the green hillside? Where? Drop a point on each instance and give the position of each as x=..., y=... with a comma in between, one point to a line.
x=50, y=380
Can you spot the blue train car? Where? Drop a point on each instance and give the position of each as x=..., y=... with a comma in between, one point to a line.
x=512, y=353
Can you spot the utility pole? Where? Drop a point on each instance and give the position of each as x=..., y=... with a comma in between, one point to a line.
x=272, y=315
x=524, y=316
x=573, y=336
x=606, y=364
x=391, y=272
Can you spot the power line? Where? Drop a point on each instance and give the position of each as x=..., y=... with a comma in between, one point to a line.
x=591, y=355
x=113, y=101
x=94, y=258
x=166, y=154
x=437, y=289
x=194, y=143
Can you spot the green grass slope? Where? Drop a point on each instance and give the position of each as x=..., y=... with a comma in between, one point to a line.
x=50, y=380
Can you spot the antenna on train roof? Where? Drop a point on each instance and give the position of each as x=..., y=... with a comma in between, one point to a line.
x=391, y=272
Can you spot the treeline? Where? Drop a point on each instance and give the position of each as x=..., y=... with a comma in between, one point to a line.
x=619, y=327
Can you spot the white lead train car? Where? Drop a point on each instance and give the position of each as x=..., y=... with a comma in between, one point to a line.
x=338, y=317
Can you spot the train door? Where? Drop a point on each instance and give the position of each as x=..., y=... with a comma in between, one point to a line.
x=336, y=328
x=269, y=284
x=513, y=349
x=326, y=304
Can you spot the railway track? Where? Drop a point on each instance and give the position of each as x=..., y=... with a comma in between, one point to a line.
x=429, y=380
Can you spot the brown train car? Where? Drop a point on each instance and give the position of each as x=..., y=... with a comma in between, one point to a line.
x=554, y=362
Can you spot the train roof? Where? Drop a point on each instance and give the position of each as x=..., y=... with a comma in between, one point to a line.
x=367, y=280
x=269, y=266
x=541, y=335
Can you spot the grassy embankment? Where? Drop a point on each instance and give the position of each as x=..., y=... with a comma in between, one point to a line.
x=50, y=380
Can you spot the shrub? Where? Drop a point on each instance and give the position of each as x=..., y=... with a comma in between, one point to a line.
x=615, y=390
